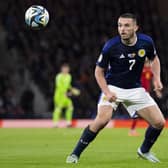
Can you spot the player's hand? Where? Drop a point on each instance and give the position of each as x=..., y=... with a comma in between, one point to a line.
x=68, y=94
x=158, y=86
x=110, y=96
x=75, y=91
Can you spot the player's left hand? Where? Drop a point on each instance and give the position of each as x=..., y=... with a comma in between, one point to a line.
x=75, y=91
x=158, y=86
x=69, y=94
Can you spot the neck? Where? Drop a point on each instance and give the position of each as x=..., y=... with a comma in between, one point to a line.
x=131, y=41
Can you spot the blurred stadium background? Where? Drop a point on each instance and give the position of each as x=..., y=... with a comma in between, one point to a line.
x=29, y=60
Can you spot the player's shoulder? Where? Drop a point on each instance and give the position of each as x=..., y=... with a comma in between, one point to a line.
x=111, y=42
x=59, y=75
x=145, y=37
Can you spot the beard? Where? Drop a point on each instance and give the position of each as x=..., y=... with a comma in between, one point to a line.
x=127, y=37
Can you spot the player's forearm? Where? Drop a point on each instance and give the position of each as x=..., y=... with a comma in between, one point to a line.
x=155, y=67
x=99, y=74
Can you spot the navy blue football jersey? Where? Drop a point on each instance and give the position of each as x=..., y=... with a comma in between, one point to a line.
x=124, y=63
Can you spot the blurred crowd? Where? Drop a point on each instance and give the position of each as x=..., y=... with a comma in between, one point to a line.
x=77, y=30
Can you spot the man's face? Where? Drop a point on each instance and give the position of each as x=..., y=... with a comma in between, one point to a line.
x=126, y=28
x=65, y=69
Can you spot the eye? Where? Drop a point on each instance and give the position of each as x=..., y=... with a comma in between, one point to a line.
x=127, y=25
x=119, y=25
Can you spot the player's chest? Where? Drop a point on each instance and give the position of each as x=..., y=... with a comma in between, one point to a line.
x=65, y=80
x=124, y=55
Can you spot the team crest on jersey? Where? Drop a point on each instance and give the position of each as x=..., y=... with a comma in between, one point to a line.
x=141, y=52
x=131, y=55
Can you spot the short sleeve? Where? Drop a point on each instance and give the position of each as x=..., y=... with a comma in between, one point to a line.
x=152, y=51
x=58, y=80
x=103, y=59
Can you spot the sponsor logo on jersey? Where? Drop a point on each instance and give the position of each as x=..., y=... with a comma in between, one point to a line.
x=122, y=56
x=141, y=52
x=131, y=55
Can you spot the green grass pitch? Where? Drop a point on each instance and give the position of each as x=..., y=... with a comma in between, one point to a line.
x=48, y=148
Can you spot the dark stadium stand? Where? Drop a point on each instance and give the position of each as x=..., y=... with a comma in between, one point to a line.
x=76, y=32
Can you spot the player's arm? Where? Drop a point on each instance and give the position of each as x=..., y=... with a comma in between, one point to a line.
x=58, y=81
x=102, y=64
x=155, y=67
x=99, y=75
x=72, y=91
x=60, y=86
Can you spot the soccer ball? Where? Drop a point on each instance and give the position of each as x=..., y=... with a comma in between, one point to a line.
x=36, y=17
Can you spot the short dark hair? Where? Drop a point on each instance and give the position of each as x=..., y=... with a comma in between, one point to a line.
x=65, y=64
x=129, y=15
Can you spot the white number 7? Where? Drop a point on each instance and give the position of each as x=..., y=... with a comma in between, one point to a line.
x=132, y=63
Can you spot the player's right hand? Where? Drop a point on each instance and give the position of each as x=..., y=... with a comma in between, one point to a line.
x=110, y=96
x=158, y=86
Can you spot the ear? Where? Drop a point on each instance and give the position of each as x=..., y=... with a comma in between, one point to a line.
x=136, y=27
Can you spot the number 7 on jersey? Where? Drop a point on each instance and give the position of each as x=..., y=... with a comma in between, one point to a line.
x=132, y=63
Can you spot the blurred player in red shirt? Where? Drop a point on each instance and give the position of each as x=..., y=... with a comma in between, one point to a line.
x=146, y=78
